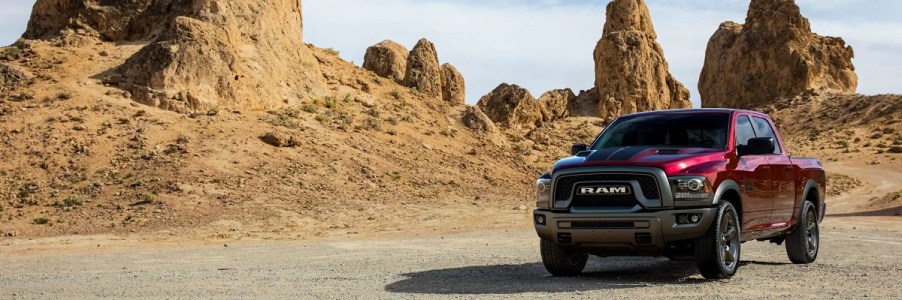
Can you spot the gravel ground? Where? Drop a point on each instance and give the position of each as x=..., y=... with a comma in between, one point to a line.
x=853, y=263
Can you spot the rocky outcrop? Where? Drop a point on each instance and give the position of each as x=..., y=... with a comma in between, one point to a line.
x=512, y=106
x=106, y=20
x=631, y=74
x=243, y=55
x=12, y=77
x=203, y=54
x=424, y=72
x=774, y=55
x=585, y=104
x=387, y=59
x=556, y=103
x=476, y=120
x=453, y=86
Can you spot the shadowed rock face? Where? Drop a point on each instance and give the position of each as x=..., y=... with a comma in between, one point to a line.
x=631, y=74
x=387, y=59
x=773, y=55
x=556, y=104
x=512, y=106
x=424, y=72
x=205, y=54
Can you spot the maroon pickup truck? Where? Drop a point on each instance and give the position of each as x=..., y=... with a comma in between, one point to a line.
x=685, y=184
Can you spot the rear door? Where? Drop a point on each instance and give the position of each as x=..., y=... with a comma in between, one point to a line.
x=782, y=175
x=752, y=173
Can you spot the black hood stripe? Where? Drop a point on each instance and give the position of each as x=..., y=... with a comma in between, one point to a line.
x=622, y=153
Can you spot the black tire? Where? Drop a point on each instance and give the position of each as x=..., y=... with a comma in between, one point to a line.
x=718, y=251
x=803, y=242
x=560, y=261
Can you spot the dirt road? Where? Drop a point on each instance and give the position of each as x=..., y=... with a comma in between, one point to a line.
x=861, y=256
x=853, y=263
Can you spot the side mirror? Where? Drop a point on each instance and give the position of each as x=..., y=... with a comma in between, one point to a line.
x=758, y=146
x=577, y=148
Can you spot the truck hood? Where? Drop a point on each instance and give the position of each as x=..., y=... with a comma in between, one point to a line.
x=672, y=160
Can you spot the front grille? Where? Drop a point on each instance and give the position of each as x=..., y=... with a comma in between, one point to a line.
x=648, y=183
x=624, y=201
x=602, y=225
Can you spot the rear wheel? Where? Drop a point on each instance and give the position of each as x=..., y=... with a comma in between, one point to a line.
x=803, y=242
x=718, y=251
x=560, y=261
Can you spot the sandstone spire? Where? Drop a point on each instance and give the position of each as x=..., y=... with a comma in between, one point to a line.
x=424, y=72
x=205, y=54
x=773, y=55
x=631, y=74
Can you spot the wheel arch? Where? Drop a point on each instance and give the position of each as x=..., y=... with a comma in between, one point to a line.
x=809, y=193
x=728, y=190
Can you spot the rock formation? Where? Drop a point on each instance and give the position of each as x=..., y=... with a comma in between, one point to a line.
x=556, y=103
x=12, y=77
x=477, y=120
x=453, y=86
x=631, y=73
x=512, y=106
x=584, y=105
x=107, y=20
x=773, y=55
x=387, y=59
x=207, y=54
x=424, y=72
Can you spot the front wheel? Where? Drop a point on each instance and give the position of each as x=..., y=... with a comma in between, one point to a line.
x=718, y=251
x=560, y=261
x=803, y=242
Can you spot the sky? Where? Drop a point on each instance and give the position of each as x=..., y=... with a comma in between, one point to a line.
x=548, y=44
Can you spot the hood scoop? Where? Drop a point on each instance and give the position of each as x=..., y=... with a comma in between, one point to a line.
x=667, y=152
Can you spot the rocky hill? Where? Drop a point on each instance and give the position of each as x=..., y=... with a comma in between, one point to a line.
x=205, y=118
x=214, y=118
x=774, y=55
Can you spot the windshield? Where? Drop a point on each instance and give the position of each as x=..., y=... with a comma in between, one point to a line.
x=696, y=130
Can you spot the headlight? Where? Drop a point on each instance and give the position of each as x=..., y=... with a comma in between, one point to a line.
x=543, y=193
x=690, y=188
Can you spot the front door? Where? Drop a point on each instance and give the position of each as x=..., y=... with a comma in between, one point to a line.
x=782, y=176
x=752, y=175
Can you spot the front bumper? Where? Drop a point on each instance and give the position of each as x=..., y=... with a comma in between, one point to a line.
x=649, y=234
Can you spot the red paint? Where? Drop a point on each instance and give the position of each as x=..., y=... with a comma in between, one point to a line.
x=771, y=186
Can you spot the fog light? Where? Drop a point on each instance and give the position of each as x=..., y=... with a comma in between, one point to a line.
x=540, y=219
x=683, y=219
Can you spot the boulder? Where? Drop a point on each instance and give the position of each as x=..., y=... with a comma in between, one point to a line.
x=512, y=106
x=774, y=55
x=631, y=74
x=476, y=120
x=453, y=86
x=12, y=77
x=556, y=104
x=387, y=59
x=279, y=139
x=424, y=72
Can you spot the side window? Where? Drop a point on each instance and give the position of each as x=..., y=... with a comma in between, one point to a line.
x=763, y=128
x=744, y=131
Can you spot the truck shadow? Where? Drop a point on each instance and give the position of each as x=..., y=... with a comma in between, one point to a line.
x=888, y=212
x=613, y=273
